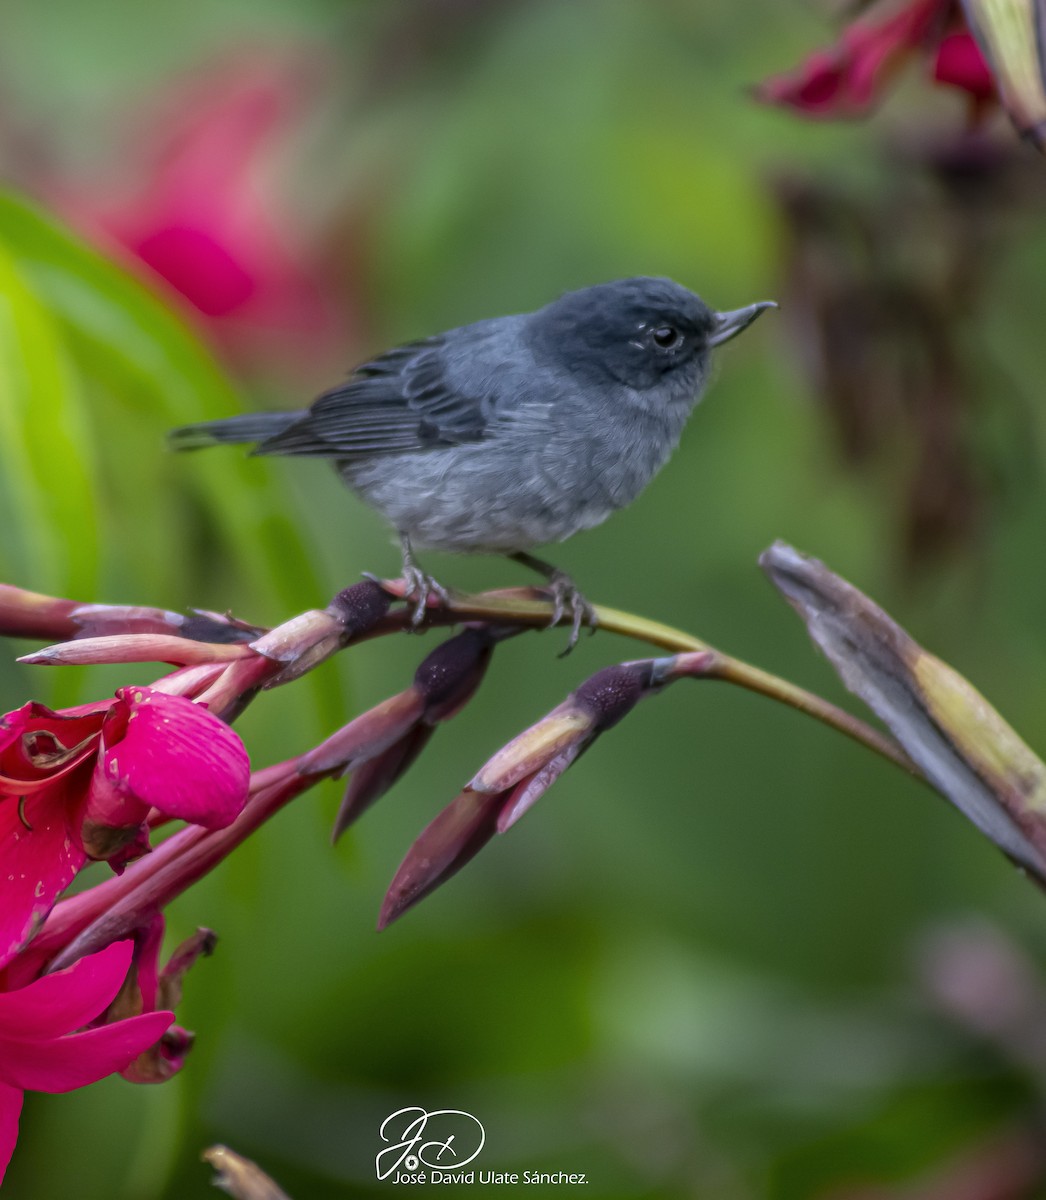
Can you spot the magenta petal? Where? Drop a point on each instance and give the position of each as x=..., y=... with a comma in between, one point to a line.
x=10, y=1110
x=147, y=960
x=39, y=745
x=62, y=1064
x=179, y=758
x=446, y=844
x=113, y=826
x=36, y=864
x=67, y=1000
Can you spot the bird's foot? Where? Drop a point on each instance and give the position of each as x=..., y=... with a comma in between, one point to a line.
x=567, y=598
x=420, y=586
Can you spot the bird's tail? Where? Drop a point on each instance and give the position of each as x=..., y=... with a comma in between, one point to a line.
x=250, y=427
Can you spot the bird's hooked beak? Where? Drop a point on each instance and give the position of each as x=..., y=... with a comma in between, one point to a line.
x=729, y=324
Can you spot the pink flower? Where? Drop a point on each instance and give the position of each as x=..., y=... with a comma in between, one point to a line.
x=80, y=784
x=205, y=203
x=40, y=1048
x=849, y=78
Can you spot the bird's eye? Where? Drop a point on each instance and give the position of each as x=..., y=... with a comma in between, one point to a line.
x=666, y=337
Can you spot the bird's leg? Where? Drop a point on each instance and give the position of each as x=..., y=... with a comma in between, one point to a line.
x=566, y=597
x=419, y=585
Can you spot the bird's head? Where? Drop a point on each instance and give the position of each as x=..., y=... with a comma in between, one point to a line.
x=640, y=332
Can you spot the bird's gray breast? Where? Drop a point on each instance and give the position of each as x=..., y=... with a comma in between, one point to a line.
x=556, y=459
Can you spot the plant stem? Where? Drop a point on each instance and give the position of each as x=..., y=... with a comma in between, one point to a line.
x=524, y=605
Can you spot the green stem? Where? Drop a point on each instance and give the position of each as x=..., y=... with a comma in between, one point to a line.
x=523, y=606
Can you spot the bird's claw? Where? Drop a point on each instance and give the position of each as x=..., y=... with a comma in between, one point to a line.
x=566, y=597
x=420, y=587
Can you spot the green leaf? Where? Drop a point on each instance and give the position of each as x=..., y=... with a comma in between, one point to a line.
x=47, y=460
x=94, y=369
x=151, y=373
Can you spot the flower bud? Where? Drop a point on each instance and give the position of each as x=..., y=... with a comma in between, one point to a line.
x=147, y=989
x=447, y=843
x=135, y=648
x=526, y=754
x=518, y=775
x=372, y=778
x=379, y=745
x=963, y=746
x=369, y=734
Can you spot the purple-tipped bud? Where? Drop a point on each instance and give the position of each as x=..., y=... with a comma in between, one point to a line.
x=456, y=835
x=31, y=615
x=373, y=778
x=381, y=744
x=103, y=620
x=449, y=676
x=360, y=607
x=516, y=777
x=527, y=793
x=306, y=640
x=596, y=705
x=368, y=735
x=613, y=692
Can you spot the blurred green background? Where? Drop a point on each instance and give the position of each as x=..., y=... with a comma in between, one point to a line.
x=711, y=963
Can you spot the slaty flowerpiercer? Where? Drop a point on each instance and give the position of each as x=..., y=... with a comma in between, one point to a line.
x=513, y=432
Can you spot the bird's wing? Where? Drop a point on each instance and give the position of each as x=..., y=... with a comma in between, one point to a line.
x=404, y=401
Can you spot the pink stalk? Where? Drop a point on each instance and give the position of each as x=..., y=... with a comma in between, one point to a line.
x=115, y=908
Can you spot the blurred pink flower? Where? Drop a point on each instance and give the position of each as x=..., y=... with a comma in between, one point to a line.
x=849, y=78
x=960, y=63
x=80, y=783
x=204, y=204
x=40, y=1048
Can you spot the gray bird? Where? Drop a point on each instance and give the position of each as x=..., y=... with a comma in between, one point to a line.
x=513, y=432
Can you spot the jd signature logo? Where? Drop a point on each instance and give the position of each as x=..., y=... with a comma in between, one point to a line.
x=445, y=1139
